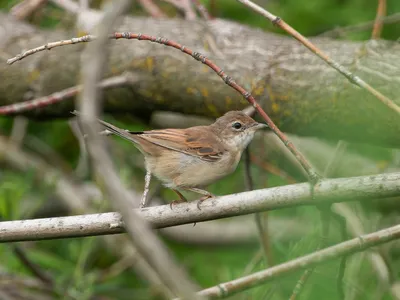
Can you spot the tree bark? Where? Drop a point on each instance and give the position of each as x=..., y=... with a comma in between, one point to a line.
x=301, y=93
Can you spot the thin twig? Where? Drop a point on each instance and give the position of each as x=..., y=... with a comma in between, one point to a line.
x=32, y=267
x=82, y=168
x=265, y=165
x=57, y=97
x=26, y=8
x=340, y=31
x=349, y=247
x=185, y=6
x=378, y=24
x=248, y=179
x=341, y=69
x=68, y=5
x=152, y=9
x=258, y=217
x=18, y=131
x=312, y=174
x=202, y=9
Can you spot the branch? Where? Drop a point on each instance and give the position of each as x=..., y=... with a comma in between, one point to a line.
x=354, y=79
x=378, y=25
x=112, y=82
x=358, y=244
x=341, y=31
x=326, y=191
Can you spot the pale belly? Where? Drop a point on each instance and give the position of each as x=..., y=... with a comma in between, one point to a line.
x=180, y=170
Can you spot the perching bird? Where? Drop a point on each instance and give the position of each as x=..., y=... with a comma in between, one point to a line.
x=191, y=158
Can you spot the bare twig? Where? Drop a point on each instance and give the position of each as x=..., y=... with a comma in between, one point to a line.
x=82, y=167
x=149, y=247
x=341, y=69
x=203, y=11
x=25, y=8
x=152, y=9
x=358, y=244
x=265, y=165
x=338, y=32
x=312, y=174
x=378, y=24
x=32, y=267
x=185, y=6
x=327, y=191
x=18, y=131
x=258, y=217
x=63, y=95
x=68, y=5
x=248, y=179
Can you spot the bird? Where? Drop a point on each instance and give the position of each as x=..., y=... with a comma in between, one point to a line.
x=191, y=158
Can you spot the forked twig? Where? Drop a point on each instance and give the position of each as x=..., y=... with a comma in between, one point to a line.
x=338, y=67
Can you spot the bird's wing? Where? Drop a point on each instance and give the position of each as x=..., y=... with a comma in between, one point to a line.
x=195, y=141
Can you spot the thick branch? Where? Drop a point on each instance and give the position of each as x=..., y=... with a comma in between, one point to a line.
x=301, y=93
x=344, y=189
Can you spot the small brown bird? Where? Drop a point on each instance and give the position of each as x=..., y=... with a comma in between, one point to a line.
x=191, y=158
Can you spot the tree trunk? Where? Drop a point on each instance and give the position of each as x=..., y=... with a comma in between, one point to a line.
x=300, y=92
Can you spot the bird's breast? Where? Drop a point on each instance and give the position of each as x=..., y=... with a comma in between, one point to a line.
x=176, y=169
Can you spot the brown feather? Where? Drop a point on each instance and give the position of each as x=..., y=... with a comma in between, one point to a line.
x=196, y=141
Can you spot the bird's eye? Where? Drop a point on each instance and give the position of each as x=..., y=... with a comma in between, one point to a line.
x=237, y=125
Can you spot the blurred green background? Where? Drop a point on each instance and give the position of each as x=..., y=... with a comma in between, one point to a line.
x=84, y=268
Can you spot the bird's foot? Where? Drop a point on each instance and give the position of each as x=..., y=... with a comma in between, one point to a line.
x=205, y=197
x=176, y=202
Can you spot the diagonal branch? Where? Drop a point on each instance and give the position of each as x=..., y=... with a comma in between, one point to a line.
x=341, y=69
x=358, y=244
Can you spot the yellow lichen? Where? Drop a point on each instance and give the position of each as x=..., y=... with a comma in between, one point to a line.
x=159, y=98
x=204, y=92
x=150, y=63
x=191, y=91
x=33, y=75
x=228, y=101
x=275, y=107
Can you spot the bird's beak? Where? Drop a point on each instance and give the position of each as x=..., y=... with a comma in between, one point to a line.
x=257, y=126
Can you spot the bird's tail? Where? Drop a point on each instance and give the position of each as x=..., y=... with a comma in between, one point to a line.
x=130, y=136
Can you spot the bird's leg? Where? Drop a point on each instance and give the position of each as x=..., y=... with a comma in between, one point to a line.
x=181, y=197
x=147, y=179
x=206, y=195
